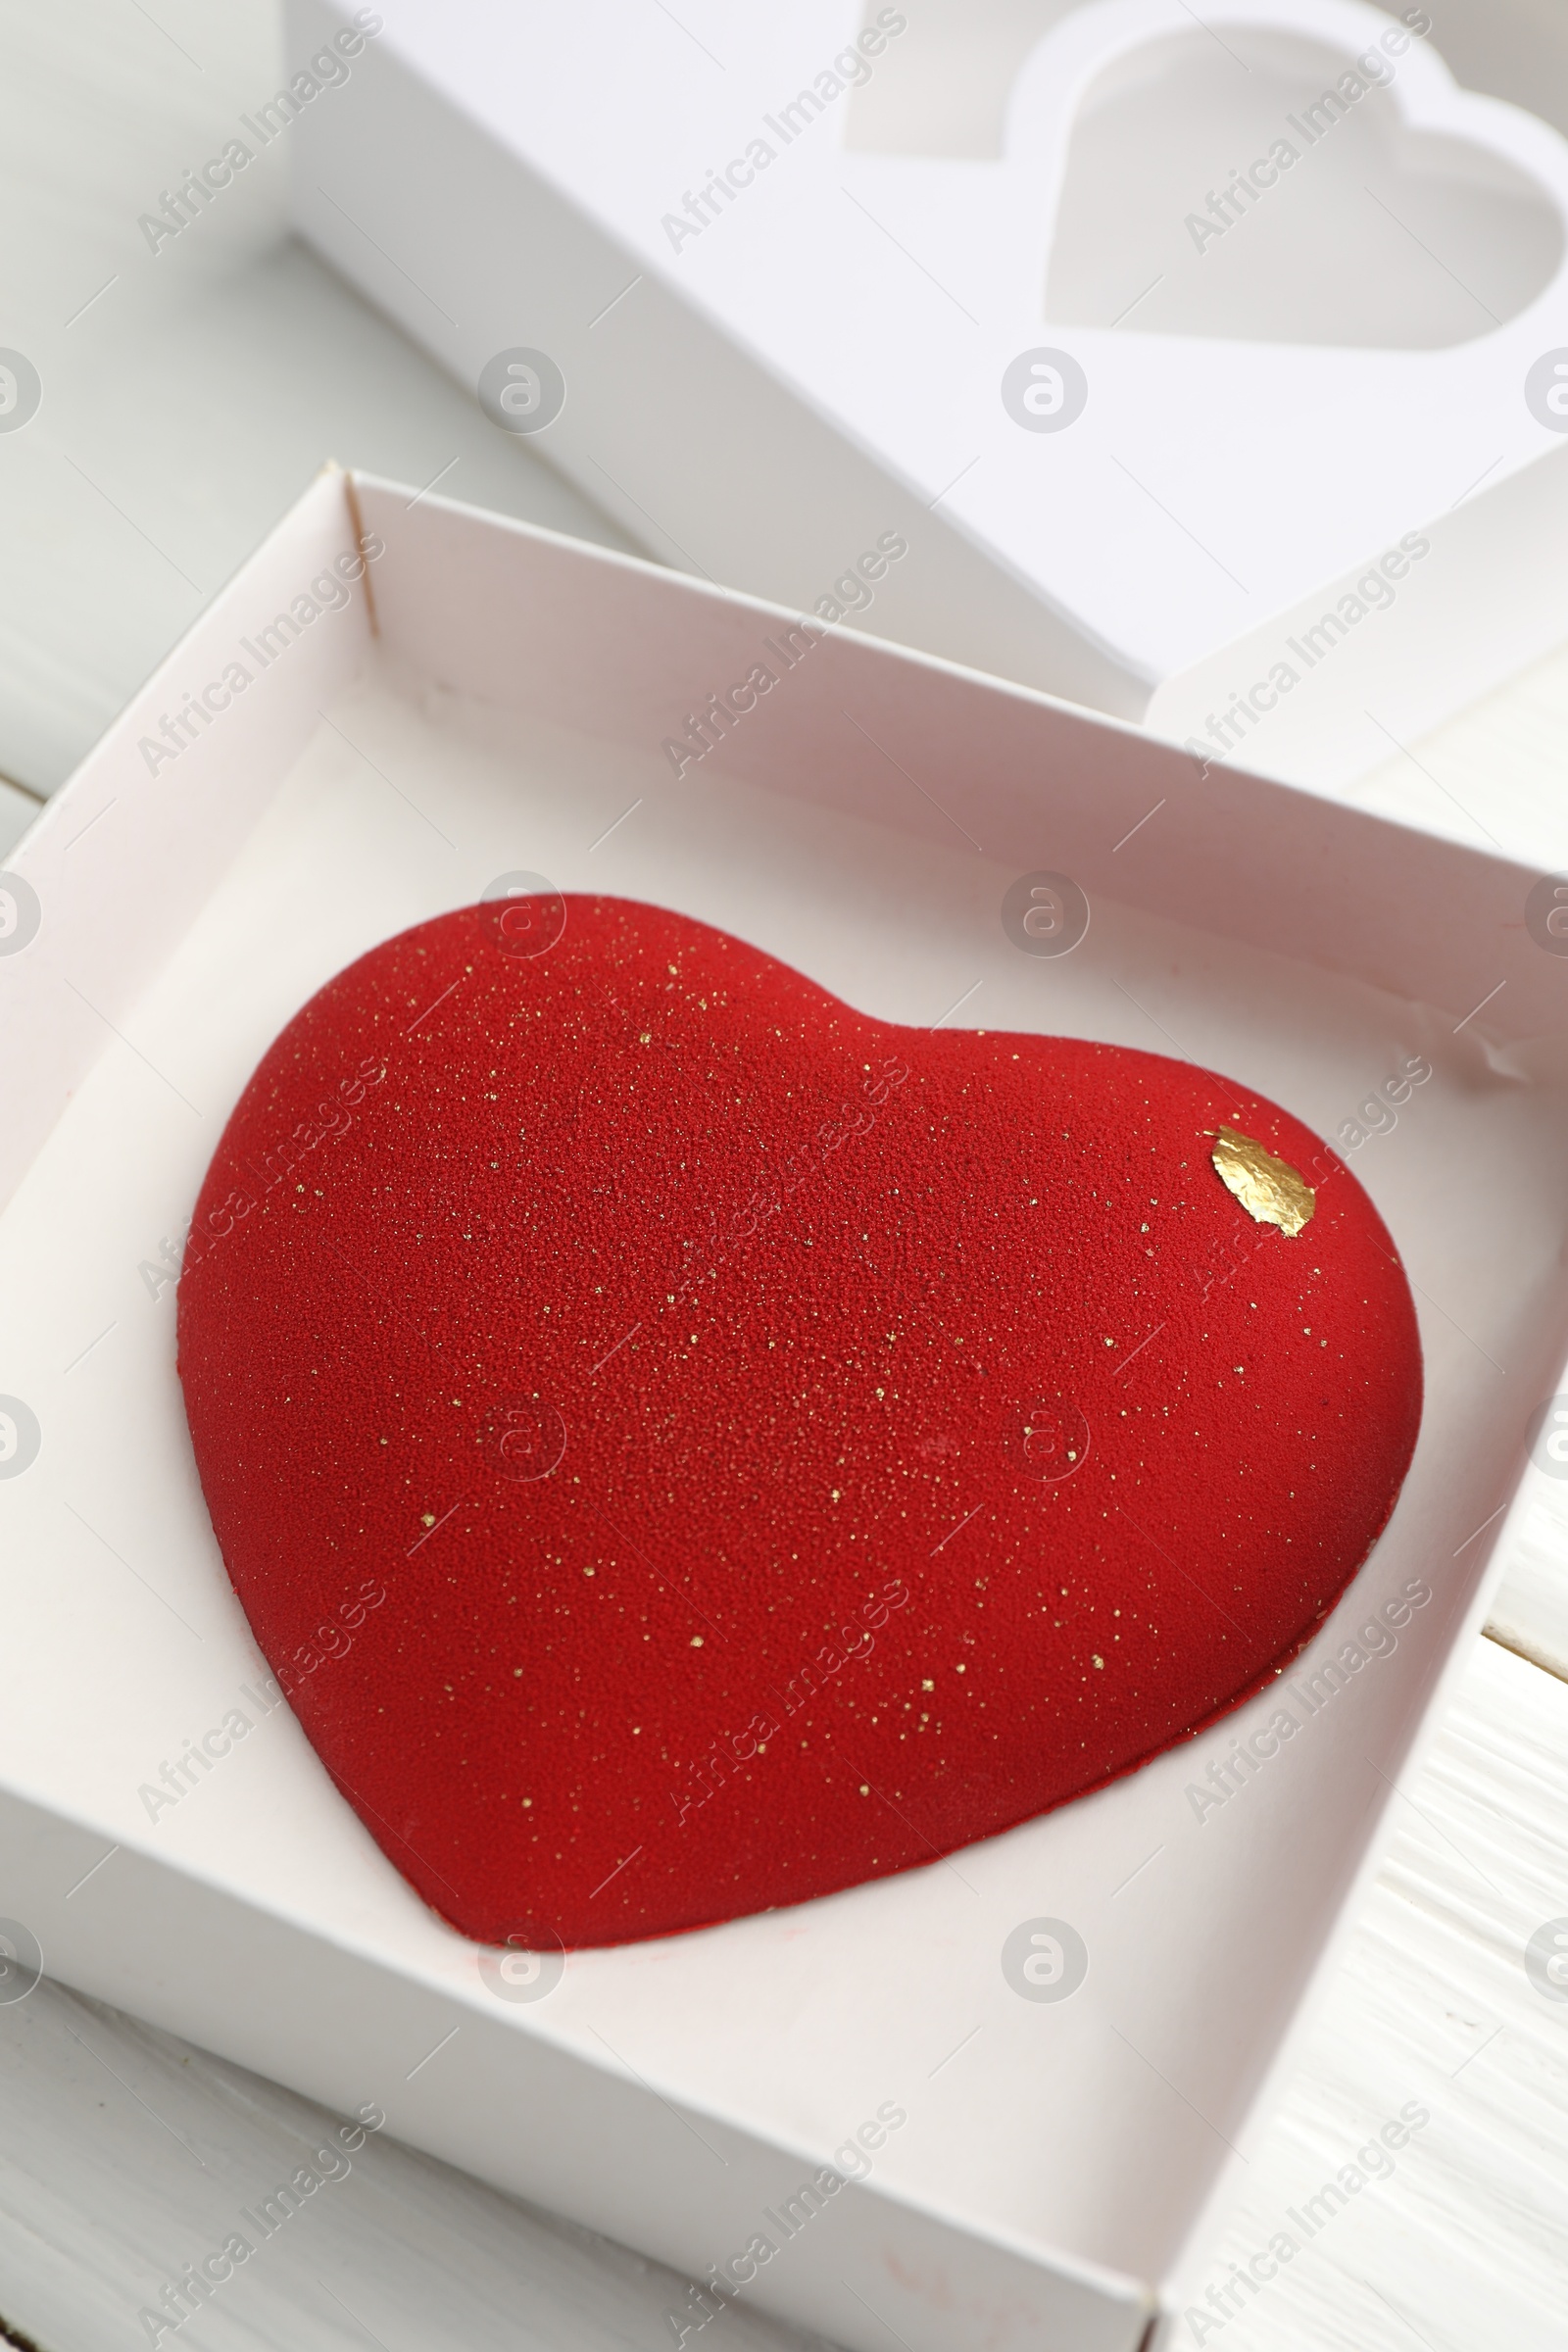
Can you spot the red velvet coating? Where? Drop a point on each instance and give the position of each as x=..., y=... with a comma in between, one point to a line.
x=685, y=1447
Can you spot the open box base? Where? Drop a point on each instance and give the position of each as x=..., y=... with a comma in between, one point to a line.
x=509, y=711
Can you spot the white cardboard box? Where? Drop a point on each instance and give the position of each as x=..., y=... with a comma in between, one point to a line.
x=762, y=379
x=505, y=708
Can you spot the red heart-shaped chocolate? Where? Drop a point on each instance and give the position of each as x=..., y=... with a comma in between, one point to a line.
x=685, y=1447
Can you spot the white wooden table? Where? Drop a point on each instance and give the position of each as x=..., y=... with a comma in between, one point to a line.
x=187, y=398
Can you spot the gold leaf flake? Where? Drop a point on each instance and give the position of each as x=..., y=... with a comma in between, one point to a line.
x=1268, y=1189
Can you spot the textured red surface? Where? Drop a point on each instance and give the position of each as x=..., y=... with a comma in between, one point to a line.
x=686, y=1448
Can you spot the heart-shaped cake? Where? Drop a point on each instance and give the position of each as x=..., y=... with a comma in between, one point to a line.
x=685, y=1447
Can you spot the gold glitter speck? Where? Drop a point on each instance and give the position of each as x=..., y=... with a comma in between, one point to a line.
x=1268, y=1189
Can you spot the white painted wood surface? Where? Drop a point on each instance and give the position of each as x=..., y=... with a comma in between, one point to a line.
x=184, y=405
x=188, y=395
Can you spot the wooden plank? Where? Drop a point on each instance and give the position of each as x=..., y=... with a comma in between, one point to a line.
x=192, y=398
